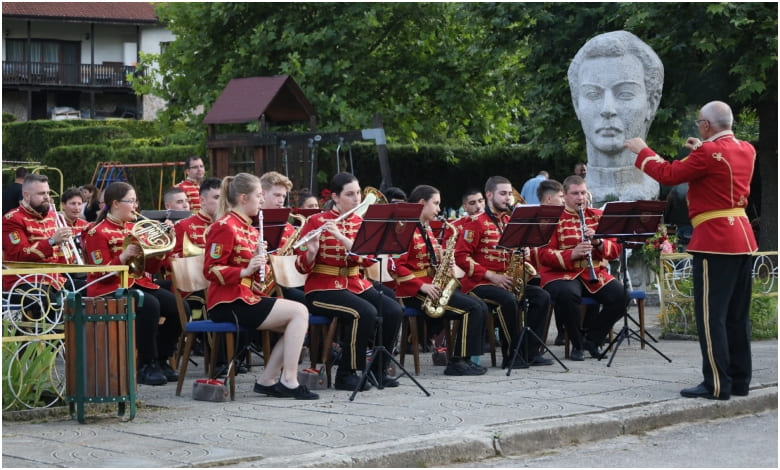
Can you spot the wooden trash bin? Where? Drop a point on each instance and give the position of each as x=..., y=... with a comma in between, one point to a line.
x=99, y=351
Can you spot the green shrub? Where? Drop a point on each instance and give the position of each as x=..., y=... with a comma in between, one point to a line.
x=8, y=117
x=30, y=371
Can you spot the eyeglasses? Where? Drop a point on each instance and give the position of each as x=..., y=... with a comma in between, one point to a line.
x=701, y=120
x=129, y=201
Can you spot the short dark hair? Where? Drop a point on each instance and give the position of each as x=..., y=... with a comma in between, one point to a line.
x=493, y=182
x=470, y=192
x=209, y=183
x=547, y=187
x=340, y=180
x=70, y=193
x=394, y=192
x=189, y=160
x=21, y=172
x=572, y=180
x=34, y=178
x=423, y=191
x=170, y=192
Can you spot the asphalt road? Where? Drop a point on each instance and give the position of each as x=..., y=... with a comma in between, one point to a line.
x=744, y=441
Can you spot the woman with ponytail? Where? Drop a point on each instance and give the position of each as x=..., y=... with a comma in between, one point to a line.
x=232, y=264
x=103, y=245
x=335, y=286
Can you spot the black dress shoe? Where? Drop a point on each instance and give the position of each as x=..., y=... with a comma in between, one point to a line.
x=559, y=341
x=518, y=364
x=577, y=354
x=387, y=381
x=168, y=372
x=349, y=382
x=700, y=391
x=540, y=360
x=150, y=374
x=593, y=348
x=740, y=392
x=301, y=392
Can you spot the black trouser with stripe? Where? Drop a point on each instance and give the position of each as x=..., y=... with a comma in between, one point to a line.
x=508, y=314
x=568, y=294
x=722, y=287
x=357, y=314
x=469, y=339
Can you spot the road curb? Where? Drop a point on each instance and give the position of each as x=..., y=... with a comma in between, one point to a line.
x=476, y=443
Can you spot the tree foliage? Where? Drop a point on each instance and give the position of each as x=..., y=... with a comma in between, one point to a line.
x=480, y=73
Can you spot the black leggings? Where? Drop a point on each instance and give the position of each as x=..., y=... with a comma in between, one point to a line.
x=357, y=314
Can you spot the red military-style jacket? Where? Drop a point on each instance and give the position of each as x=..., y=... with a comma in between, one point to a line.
x=194, y=227
x=192, y=190
x=718, y=173
x=555, y=261
x=413, y=269
x=333, y=268
x=102, y=246
x=476, y=252
x=26, y=236
x=231, y=242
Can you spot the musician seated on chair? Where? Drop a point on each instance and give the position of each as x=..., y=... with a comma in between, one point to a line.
x=232, y=263
x=276, y=186
x=565, y=269
x=103, y=245
x=487, y=276
x=31, y=234
x=425, y=272
x=335, y=286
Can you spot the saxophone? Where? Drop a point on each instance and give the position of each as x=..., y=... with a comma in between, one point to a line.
x=443, y=278
x=521, y=272
x=269, y=282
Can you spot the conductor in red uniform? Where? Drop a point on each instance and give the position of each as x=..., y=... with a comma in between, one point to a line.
x=718, y=172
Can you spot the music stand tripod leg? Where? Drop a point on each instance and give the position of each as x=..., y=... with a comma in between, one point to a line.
x=381, y=351
x=528, y=329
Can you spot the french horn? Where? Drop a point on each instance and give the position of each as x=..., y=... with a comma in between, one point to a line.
x=154, y=238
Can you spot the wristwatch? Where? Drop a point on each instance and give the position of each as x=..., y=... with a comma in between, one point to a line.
x=51, y=241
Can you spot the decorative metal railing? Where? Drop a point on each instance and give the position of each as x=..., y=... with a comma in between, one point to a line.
x=57, y=73
x=676, y=294
x=33, y=337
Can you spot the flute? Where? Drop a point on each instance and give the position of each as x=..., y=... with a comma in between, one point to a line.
x=584, y=239
x=261, y=246
x=317, y=231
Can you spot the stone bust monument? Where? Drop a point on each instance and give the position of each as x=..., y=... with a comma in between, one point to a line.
x=616, y=81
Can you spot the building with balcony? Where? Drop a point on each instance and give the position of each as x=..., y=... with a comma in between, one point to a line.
x=59, y=55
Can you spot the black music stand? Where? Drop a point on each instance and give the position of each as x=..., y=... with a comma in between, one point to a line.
x=274, y=222
x=387, y=229
x=627, y=222
x=529, y=226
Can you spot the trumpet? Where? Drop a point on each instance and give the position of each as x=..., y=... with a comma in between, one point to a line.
x=69, y=248
x=154, y=238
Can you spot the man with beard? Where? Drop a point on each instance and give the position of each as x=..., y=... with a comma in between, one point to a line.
x=486, y=266
x=30, y=231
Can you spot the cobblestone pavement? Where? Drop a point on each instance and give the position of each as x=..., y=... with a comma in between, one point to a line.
x=464, y=419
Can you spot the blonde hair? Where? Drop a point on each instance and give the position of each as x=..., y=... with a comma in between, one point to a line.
x=232, y=187
x=274, y=178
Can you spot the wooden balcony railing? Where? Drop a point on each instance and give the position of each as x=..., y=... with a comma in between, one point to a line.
x=53, y=73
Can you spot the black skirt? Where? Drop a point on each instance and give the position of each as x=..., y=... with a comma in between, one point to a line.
x=249, y=316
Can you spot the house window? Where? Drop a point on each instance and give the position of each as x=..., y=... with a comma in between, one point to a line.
x=164, y=46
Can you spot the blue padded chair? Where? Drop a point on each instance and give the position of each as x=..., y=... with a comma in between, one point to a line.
x=192, y=328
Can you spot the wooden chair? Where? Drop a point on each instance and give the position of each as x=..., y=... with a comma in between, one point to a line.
x=188, y=277
x=409, y=331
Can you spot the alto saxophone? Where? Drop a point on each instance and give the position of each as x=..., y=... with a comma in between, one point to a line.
x=521, y=272
x=443, y=279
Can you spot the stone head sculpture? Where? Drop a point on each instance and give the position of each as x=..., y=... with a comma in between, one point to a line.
x=616, y=82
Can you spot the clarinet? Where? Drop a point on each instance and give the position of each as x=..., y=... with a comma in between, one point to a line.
x=593, y=278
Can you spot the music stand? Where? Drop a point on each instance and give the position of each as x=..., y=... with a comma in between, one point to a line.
x=387, y=229
x=529, y=226
x=274, y=223
x=627, y=222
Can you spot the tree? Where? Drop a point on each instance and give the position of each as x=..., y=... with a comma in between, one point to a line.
x=423, y=66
